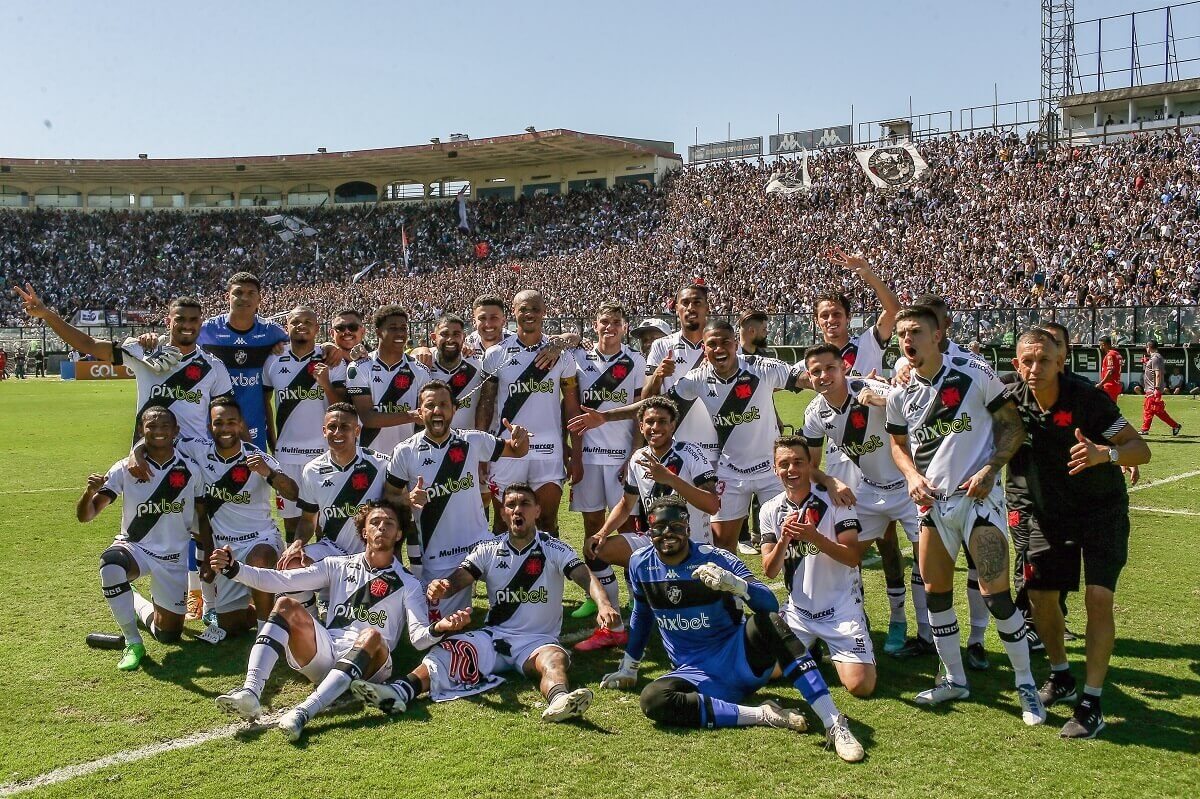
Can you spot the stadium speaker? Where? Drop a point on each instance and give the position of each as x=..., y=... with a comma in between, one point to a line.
x=452, y=154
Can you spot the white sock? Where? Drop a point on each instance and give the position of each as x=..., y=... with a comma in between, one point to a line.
x=270, y=644
x=1012, y=635
x=209, y=592
x=749, y=716
x=946, y=640
x=193, y=581
x=608, y=581
x=920, y=605
x=114, y=582
x=896, y=597
x=978, y=608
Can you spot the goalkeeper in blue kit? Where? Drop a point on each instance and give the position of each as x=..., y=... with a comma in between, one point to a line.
x=695, y=593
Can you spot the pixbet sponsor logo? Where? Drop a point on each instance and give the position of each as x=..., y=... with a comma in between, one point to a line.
x=856, y=450
x=225, y=495
x=520, y=595
x=450, y=486
x=194, y=396
x=160, y=507
x=531, y=387
x=733, y=418
x=244, y=380
x=942, y=428
x=377, y=618
x=344, y=511
x=679, y=622
x=296, y=394
x=394, y=407
x=596, y=395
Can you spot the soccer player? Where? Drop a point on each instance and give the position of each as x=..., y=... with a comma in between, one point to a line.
x=695, y=595
x=525, y=571
x=1154, y=382
x=441, y=467
x=953, y=427
x=490, y=317
x=850, y=412
x=346, y=326
x=863, y=353
x=816, y=545
x=157, y=519
x=180, y=377
x=522, y=388
x=1077, y=505
x=463, y=374
x=752, y=335
x=301, y=384
x=647, y=332
x=673, y=356
x=238, y=478
x=370, y=595
x=242, y=341
x=736, y=393
x=383, y=388
x=610, y=375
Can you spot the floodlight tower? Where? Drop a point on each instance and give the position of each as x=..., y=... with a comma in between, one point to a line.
x=1058, y=56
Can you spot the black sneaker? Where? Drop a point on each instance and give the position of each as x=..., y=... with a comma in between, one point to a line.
x=1035, y=640
x=1174, y=432
x=1058, y=689
x=1069, y=635
x=977, y=657
x=1087, y=722
x=916, y=647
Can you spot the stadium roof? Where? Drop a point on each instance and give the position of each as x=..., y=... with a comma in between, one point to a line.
x=417, y=161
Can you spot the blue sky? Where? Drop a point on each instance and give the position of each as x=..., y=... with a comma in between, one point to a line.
x=112, y=79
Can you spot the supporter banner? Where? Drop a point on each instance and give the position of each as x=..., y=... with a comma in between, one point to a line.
x=895, y=167
x=288, y=227
x=721, y=150
x=818, y=139
x=89, y=317
x=792, y=180
x=101, y=370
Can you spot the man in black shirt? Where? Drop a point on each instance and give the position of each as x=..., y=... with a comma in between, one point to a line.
x=1065, y=486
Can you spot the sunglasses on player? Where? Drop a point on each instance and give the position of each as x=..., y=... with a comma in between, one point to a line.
x=350, y=327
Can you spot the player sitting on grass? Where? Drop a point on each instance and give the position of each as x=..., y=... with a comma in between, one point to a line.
x=370, y=594
x=695, y=594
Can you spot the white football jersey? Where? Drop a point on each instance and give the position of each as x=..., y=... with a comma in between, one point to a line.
x=392, y=388
x=452, y=521
x=863, y=353
x=528, y=395
x=819, y=588
x=952, y=348
x=300, y=405
x=186, y=390
x=694, y=424
x=684, y=459
x=948, y=420
x=160, y=513
x=475, y=343
x=524, y=589
x=335, y=493
x=858, y=442
x=360, y=598
x=236, y=499
x=606, y=382
x=741, y=410
x=464, y=381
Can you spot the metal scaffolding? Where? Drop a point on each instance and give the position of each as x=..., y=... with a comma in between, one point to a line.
x=1058, y=56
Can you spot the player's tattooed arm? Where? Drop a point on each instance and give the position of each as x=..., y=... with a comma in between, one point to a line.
x=1008, y=434
x=487, y=403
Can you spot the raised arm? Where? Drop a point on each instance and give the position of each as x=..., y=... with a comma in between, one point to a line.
x=73, y=337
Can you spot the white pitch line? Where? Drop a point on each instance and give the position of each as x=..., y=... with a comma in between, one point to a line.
x=1165, y=510
x=132, y=755
x=1164, y=481
x=40, y=490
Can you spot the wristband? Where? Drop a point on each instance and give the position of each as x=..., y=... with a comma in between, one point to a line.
x=230, y=571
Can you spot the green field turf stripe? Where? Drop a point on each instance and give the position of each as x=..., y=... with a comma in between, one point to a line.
x=1173, y=478
x=1170, y=512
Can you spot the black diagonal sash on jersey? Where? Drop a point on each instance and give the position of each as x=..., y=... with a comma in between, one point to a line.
x=391, y=395
x=852, y=436
x=522, y=581
x=514, y=402
x=733, y=404
x=177, y=381
x=142, y=524
x=363, y=599
x=938, y=411
x=798, y=550
x=431, y=514
x=607, y=381
x=349, y=495
x=468, y=371
x=303, y=381
x=673, y=458
x=226, y=486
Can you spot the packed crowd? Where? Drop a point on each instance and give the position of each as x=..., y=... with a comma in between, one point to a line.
x=996, y=222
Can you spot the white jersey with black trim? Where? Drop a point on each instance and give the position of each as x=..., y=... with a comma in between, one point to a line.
x=953, y=349
x=300, y=405
x=464, y=381
x=529, y=395
x=186, y=390
x=683, y=459
x=335, y=493
x=819, y=588
x=393, y=388
x=607, y=382
x=475, y=343
x=694, y=424
x=236, y=498
x=863, y=353
x=158, y=514
x=451, y=521
x=948, y=420
x=360, y=597
x=741, y=410
x=854, y=436
x=524, y=587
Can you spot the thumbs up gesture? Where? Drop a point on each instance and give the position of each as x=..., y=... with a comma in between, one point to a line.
x=418, y=496
x=1086, y=453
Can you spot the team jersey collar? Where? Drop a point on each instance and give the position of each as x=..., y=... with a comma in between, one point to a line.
x=933, y=380
x=609, y=358
x=379, y=359
x=687, y=342
x=434, y=444
x=165, y=464
x=358, y=458
x=537, y=534
x=241, y=453
x=741, y=363
x=812, y=487
x=395, y=567
x=308, y=357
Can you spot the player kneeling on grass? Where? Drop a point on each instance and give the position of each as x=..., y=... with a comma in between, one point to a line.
x=692, y=592
x=156, y=521
x=525, y=571
x=369, y=595
x=815, y=544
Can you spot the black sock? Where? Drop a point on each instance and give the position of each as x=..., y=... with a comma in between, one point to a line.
x=555, y=692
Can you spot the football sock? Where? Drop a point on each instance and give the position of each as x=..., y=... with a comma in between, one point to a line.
x=409, y=687
x=749, y=716
x=608, y=581
x=1010, y=624
x=209, y=592
x=920, y=604
x=350, y=666
x=805, y=675
x=114, y=582
x=1090, y=691
x=944, y=623
x=268, y=648
x=977, y=607
x=896, y=596
x=1056, y=668
x=555, y=691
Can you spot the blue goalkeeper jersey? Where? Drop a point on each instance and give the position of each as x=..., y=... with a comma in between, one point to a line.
x=244, y=352
x=696, y=622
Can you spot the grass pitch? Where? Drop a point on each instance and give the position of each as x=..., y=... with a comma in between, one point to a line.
x=64, y=704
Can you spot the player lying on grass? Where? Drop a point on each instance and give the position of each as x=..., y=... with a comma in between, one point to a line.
x=157, y=518
x=369, y=595
x=525, y=571
x=695, y=594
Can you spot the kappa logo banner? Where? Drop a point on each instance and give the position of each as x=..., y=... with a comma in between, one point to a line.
x=893, y=168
